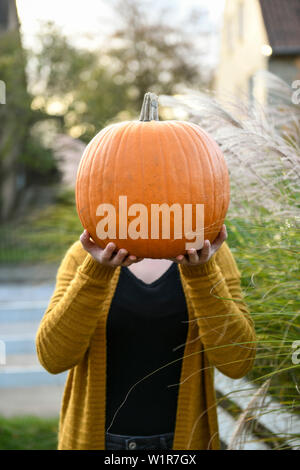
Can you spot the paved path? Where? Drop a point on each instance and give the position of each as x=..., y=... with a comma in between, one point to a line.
x=25, y=386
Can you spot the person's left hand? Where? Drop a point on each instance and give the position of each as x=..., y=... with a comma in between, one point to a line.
x=195, y=257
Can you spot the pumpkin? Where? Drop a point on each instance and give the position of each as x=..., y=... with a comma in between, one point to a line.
x=147, y=184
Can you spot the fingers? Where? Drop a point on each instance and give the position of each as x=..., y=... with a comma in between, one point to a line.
x=85, y=239
x=110, y=257
x=107, y=256
x=205, y=252
x=193, y=256
x=87, y=243
x=180, y=259
x=107, y=253
x=222, y=236
x=130, y=260
x=118, y=259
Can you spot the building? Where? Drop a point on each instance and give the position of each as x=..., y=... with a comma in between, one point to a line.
x=257, y=35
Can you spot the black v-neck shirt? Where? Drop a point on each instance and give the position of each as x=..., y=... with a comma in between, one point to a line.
x=145, y=323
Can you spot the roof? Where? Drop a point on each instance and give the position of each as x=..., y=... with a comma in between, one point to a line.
x=282, y=22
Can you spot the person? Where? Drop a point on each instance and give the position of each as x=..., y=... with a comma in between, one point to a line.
x=140, y=339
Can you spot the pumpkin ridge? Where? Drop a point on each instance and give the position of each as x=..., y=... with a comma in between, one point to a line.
x=162, y=159
x=224, y=180
x=139, y=130
x=202, y=148
x=106, y=143
x=90, y=187
x=122, y=146
x=203, y=143
x=184, y=157
x=83, y=163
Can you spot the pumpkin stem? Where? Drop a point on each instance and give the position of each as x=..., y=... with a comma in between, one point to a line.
x=149, y=110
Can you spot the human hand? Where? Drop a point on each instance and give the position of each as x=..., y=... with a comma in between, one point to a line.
x=195, y=257
x=107, y=256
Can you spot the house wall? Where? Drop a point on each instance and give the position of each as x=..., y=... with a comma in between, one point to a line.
x=243, y=35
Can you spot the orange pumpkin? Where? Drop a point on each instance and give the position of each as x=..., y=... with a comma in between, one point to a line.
x=135, y=176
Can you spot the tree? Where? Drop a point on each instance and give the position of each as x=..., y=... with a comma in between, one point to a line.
x=89, y=89
x=21, y=155
x=150, y=54
x=71, y=84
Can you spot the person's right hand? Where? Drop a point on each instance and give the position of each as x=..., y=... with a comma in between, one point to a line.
x=107, y=256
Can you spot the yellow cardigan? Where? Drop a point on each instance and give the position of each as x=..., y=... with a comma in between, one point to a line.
x=72, y=336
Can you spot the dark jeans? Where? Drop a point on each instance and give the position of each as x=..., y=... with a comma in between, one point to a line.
x=156, y=441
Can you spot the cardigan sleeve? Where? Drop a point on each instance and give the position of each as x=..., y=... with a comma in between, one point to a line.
x=71, y=317
x=226, y=328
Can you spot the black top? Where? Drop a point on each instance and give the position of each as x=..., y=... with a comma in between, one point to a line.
x=144, y=324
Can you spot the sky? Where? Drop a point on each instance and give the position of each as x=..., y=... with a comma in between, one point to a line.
x=83, y=21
